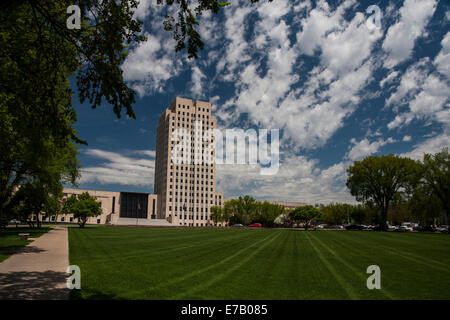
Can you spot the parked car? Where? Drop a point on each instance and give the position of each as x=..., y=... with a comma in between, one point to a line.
x=442, y=228
x=337, y=226
x=354, y=227
x=403, y=229
x=408, y=225
x=237, y=225
x=14, y=221
x=255, y=225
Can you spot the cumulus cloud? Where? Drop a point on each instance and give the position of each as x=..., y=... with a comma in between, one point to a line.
x=299, y=179
x=389, y=78
x=424, y=94
x=431, y=145
x=198, y=85
x=117, y=168
x=401, y=36
x=363, y=148
x=442, y=60
x=309, y=114
x=149, y=66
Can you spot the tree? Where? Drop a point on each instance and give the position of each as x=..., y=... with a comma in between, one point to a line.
x=29, y=201
x=67, y=204
x=337, y=213
x=84, y=207
x=267, y=213
x=232, y=210
x=305, y=215
x=247, y=207
x=436, y=177
x=216, y=214
x=379, y=179
x=359, y=214
x=52, y=206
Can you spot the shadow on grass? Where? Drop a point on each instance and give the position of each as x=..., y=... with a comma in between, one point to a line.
x=46, y=285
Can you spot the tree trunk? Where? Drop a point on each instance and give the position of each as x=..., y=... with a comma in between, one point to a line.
x=384, y=212
x=38, y=222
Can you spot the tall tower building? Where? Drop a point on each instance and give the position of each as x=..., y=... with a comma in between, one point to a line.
x=185, y=173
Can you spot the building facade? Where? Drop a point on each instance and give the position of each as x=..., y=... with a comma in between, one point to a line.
x=185, y=170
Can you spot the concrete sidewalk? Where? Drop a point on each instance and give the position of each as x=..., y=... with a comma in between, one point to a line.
x=38, y=271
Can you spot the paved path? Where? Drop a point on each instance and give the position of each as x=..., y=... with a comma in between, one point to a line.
x=38, y=271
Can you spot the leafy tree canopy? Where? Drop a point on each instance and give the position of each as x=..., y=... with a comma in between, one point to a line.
x=378, y=179
x=85, y=206
x=305, y=215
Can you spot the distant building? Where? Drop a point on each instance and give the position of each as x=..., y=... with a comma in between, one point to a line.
x=186, y=190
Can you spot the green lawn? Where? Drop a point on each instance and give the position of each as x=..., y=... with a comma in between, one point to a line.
x=10, y=242
x=144, y=263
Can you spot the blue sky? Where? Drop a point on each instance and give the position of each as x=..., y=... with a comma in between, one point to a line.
x=337, y=88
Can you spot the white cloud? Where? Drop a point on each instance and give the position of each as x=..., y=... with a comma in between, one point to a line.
x=442, y=60
x=424, y=93
x=400, y=38
x=410, y=83
x=406, y=138
x=364, y=148
x=431, y=145
x=312, y=113
x=120, y=169
x=389, y=78
x=149, y=66
x=198, y=85
x=298, y=179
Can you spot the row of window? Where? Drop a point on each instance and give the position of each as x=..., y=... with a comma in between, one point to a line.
x=185, y=187
x=187, y=107
x=192, y=181
x=181, y=168
x=191, y=194
x=62, y=219
x=190, y=209
x=191, y=217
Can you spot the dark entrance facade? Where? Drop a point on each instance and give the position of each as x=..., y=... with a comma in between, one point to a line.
x=133, y=205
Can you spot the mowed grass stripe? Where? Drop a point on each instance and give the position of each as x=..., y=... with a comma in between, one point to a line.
x=349, y=265
x=215, y=265
x=405, y=251
x=396, y=271
x=169, y=268
x=140, y=263
x=157, y=250
x=227, y=272
x=342, y=282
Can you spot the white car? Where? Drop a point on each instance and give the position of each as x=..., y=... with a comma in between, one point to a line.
x=442, y=228
x=408, y=226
